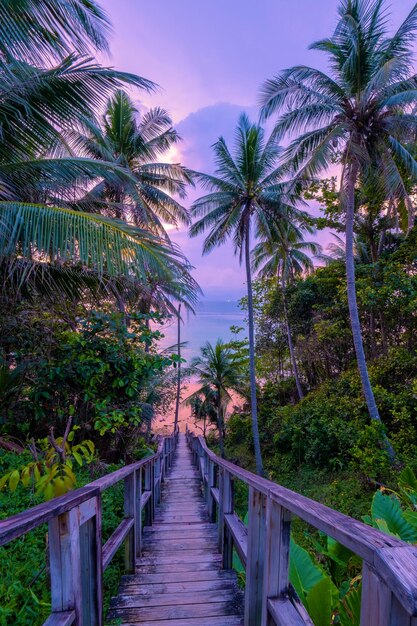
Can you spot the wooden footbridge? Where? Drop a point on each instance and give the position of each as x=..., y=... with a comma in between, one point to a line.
x=179, y=533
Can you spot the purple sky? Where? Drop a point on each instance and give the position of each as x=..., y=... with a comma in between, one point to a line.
x=210, y=57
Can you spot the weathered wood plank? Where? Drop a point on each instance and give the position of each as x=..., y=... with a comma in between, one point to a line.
x=208, y=574
x=240, y=535
x=284, y=613
x=255, y=558
x=65, y=618
x=205, y=596
x=187, y=611
x=277, y=555
x=208, y=621
x=20, y=524
x=115, y=541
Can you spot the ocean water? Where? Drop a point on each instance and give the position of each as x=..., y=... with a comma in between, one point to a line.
x=212, y=321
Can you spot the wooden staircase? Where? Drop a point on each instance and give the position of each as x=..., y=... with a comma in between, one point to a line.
x=178, y=579
x=180, y=530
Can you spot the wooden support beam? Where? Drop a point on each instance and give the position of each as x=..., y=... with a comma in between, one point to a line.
x=255, y=560
x=138, y=513
x=276, y=555
x=130, y=514
x=65, y=568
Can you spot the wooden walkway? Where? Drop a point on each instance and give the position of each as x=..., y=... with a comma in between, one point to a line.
x=179, y=580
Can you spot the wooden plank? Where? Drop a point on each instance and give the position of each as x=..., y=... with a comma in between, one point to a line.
x=64, y=559
x=227, y=506
x=277, y=555
x=240, y=535
x=284, y=613
x=20, y=524
x=138, y=513
x=145, y=496
x=176, y=587
x=202, y=611
x=376, y=599
x=130, y=514
x=208, y=574
x=65, y=618
x=91, y=584
x=188, y=566
x=255, y=558
x=208, y=621
x=115, y=541
x=398, y=567
x=206, y=596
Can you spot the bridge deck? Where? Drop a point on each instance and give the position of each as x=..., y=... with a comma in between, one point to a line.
x=179, y=580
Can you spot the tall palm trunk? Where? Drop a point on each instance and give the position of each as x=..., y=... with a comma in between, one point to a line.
x=177, y=400
x=410, y=213
x=254, y=408
x=352, y=174
x=220, y=426
x=290, y=343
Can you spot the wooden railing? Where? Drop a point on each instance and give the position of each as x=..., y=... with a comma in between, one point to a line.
x=77, y=557
x=389, y=571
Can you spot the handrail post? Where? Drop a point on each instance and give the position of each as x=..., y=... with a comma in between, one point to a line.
x=210, y=484
x=138, y=514
x=153, y=483
x=148, y=487
x=255, y=557
x=378, y=604
x=75, y=563
x=65, y=566
x=277, y=552
x=130, y=512
x=228, y=504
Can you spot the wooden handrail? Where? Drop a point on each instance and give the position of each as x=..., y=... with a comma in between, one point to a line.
x=76, y=555
x=389, y=574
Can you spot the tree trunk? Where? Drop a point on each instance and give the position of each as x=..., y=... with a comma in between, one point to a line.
x=410, y=213
x=254, y=408
x=220, y=426
x=177, y=400
x=353, y=305
x=290, y=344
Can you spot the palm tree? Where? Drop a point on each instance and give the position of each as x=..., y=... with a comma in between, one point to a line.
x=137, y=144
x=284, y=256
x=245, y=192
x=362, y=113
x=47, y=30
x=219, y=372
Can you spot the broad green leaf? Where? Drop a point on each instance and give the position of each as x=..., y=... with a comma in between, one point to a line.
x=411, y=517
x=14, y=480
x=304, y=574
x=77, y=457
x=59, y=486
x=320, y=602
x=3, y=480
x=388, y=508
x=48, y=492
x=350, y=607
x=407, y=479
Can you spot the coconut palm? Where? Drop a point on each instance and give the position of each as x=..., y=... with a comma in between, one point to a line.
x=42, y=31
x=219, y=372
x=285, y=255
x=137, y=144
x=361, y=113
x=246, y=190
